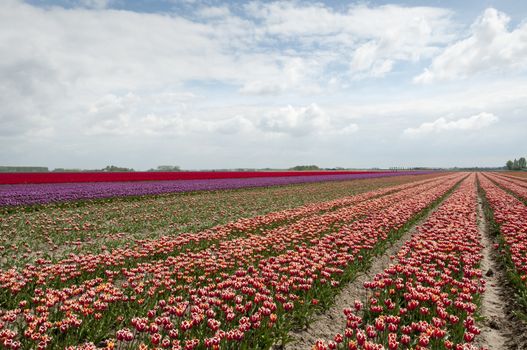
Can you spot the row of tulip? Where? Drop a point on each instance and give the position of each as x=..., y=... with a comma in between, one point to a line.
x=99, y=176
x=509, y=214
x=427, y=299
x=517, y=175
x=239, y=292
x=26, y=194
x=46, y=272
x=516, y=186
x=54, y=231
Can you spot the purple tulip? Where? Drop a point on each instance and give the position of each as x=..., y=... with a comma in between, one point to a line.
x=25, y=194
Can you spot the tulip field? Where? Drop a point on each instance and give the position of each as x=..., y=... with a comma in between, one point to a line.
x=59, y=187
x=243, y=263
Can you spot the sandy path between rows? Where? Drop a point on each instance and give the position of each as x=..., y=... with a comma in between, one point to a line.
x=500, y=329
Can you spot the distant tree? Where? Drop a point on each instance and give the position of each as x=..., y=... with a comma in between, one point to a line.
x=168, y=168
x=23, y=169
x=304, y=167
x=522, y=163
x=66, y=170
x=112, y=168
x=510, y=164
x=516, y=165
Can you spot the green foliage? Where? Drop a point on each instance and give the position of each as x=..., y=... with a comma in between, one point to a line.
x=516, y=164
x=304, y=167
x=113, y=168
x=23, y=169
x=166, y=168
x=67, y=170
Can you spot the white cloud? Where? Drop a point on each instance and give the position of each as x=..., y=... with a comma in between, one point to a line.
x=117, y=50
x=297, y=74
x=367, y=58
x=138, y=116
x=148, y=115
x=475, y=122
x=95, y=4
x=214, y=12
x=57, y=64
x=55, y=61
x=302, y=121
x=490, y=47
x=140, y=125
x=406, y=34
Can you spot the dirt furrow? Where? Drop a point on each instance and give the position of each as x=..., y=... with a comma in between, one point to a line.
x=494, y=333
x=500, y=328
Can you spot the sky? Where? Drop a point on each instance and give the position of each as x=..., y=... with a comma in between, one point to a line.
x=209, y=84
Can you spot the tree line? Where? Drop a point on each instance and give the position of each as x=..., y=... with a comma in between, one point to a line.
x=517, y=164
x=108, y=168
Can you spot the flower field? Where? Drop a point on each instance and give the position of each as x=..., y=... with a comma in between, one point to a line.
x=55, y=230
x=64, y=177
x=242, y=269
x=512, y=184
x=52, y=188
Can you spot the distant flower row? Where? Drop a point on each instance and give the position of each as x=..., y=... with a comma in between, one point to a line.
x=98, y=176
x=26, y=194
x=513, y=184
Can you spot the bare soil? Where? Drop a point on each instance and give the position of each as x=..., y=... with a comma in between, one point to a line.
x=500, y=328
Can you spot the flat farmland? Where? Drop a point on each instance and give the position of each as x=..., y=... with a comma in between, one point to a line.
x=413, y=261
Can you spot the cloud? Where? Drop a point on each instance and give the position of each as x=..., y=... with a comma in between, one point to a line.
x=115, y=50
x=490, y=47
x=301, y=121
x=366, y=59
x=57, y=64
x=56, y=61
x=407, y=33
x=297, y=74
x=143, y=116
x=475, y=122
x=138, y=125
x=214, y=12
x=95, y=4
x=148, y=115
